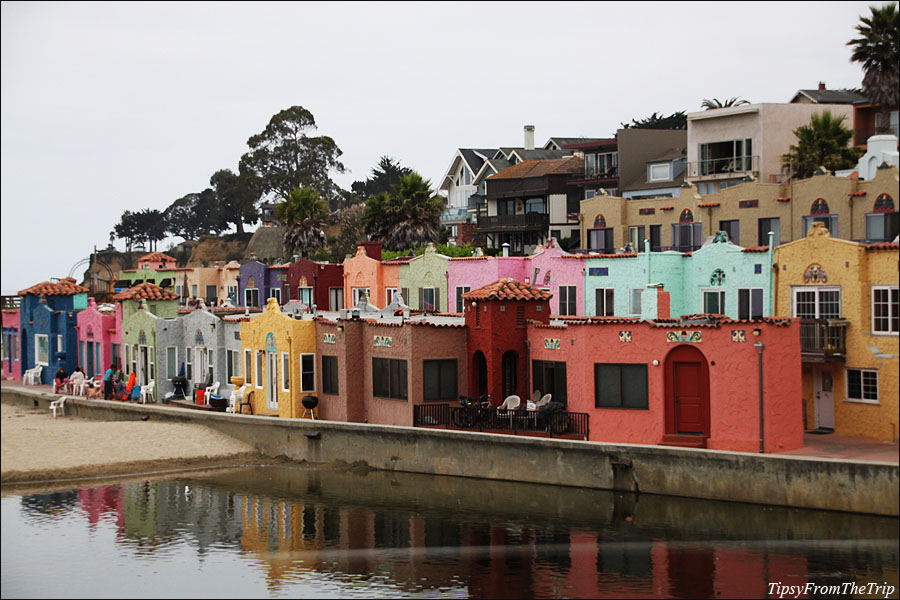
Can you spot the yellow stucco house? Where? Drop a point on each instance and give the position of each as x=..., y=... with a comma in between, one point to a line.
x=846, y=295
x=279, y=357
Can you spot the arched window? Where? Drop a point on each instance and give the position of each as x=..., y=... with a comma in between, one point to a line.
x=686, y=216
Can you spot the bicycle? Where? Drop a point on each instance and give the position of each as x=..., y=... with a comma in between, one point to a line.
x=472, y=411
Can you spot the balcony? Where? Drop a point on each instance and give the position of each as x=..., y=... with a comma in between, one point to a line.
x=526, y=222
x=723, y=168
x=823, y=340
x=454, y=215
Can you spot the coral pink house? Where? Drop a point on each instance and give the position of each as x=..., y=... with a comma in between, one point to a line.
x=11, y=364
x=99, y=338
x=367, y=273
x=677, y=382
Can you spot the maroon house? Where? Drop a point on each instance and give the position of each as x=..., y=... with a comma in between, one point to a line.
x=316, y=283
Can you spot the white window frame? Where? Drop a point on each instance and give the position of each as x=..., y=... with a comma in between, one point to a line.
x=60, y=346
x=356, y=292
x=312, y=360
x=232, y=292
x=285, y=372
x=720, y=292
x=37, y=349
x=862, y=386
x=335, y=298
x=189, y=363
x=151, y=362
x=461, y=304
x=611, y=309
x=571, y=298
x=232, y=366
x=259, y=365
x=820, y=288
x=309, y=292
x=275, y=292
x=631, y=298
x=435, y=307
x=389, y=294
x=247, y=292
x=651, y=178
x=892, y=309
x=248, y=365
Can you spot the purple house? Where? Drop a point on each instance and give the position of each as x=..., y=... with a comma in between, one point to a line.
x=252, y=283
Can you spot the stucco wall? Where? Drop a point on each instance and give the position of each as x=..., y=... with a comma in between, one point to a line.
x=733, y=381
x=97, y=328
x=854, y=270
x=361, y=271
x=427, y=270
x=12, y=366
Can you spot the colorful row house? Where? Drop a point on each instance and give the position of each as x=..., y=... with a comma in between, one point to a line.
x=314, y=284
x=377, y=369
x=156, y=268
x=851, y=209
x=47, y=326
x=200, y=346
x=99, y=338
x=279, y=361
x=257, y=282
x=366, y=275
x=142, y=308
x=845, y=295
x=214, y=285
x=11, y=368
x=423, y=281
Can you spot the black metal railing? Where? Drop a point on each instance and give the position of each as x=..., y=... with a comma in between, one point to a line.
x=729, y=165
x=513, y=222
x=823, y=339
x=555, y=424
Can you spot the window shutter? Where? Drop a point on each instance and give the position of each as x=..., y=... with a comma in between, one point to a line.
x=421, y=299
x=437, y=300
x=405, y=293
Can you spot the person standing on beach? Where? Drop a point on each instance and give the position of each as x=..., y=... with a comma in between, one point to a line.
x=108, y=382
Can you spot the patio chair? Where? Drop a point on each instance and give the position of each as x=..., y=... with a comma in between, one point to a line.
x=147, y=392
x=509, y=406
x=58, y=405
x=544, y=400
x=236, y=398
x=210, y=390
x=32, y=376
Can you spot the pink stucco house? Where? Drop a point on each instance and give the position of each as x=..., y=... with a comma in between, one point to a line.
x=12, y=365
x=99, y=338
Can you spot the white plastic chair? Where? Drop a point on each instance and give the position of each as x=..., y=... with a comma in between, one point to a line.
x=78, y=385
x=237, y=396
x=147, y=392
x=58, y=405
x=213, y=389
x=510, y=404
x=545, y=399
x=32, y=376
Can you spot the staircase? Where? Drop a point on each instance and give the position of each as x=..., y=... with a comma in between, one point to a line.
x=683, y=440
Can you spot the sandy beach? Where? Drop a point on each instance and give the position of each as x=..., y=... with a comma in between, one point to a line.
x=37, y=447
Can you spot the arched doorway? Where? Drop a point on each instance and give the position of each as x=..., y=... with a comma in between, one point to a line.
x=509, y=366
x=479, y=373
x=687, y=392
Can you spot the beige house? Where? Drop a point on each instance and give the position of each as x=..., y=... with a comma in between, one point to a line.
x=850, y=208
x=724, y=145
x=213, y=284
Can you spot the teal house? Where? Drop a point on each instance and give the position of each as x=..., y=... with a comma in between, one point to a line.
x=719, y=278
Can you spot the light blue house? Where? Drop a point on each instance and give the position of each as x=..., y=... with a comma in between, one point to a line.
x=719, y=278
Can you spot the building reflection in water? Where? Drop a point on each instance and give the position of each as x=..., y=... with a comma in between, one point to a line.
x=482, y=538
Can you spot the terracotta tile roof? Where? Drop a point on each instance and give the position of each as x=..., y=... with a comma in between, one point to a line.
x=400, y=260
x=280, y=266
x=708, y=205
x=620, y=255
x=145, y=291
x=469, y=258
x=855, y=194
x=883, y=246
x=507, y=289
x=756, y=249
x=783, y=199
x=63, y=287
x=667, y=208
x=570, y=165
x=156, y=256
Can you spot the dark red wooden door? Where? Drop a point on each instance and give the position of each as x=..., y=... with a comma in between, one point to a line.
x=689, y=405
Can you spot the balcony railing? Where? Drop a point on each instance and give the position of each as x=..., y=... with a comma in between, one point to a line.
x=723, y=167
x=553, y=424
x=454, y=215
x=823, y=340
x=535, y=221
x=595, y=173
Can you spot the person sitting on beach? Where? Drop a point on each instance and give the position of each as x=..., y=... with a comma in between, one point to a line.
x=60, y=380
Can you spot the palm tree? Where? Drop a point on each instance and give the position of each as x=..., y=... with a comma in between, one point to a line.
x=822, y=143
x=407, y=217
x=878, y=49
x=716, y=103
x=302, y=215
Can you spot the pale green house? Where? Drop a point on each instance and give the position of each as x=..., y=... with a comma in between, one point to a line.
x=423, y=281
x=142, y=307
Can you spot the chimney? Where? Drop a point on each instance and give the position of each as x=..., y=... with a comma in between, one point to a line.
x=821, y=85
x=505, y=248
x=529, y=137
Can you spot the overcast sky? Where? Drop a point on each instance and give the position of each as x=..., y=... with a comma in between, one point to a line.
x=108, y=107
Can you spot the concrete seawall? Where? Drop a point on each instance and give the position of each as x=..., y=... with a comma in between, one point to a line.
x=802, y=482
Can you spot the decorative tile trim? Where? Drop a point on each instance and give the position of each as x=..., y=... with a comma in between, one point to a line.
x=694, y=336
x=329, y=338
x=748, y=203
x=815, y=274
x=625, y=336
x=647, y=211
x=598, y=271
x=270, y=342
x=384, y=341
x=551, y=343
x=738, y=336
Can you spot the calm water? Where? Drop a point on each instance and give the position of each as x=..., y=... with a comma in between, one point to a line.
x=295, y=532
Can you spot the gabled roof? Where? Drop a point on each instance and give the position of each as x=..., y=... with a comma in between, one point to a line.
x=507, y=289
x=472, y=157
x=145, y=291
x=491, y=166
x=64, y=287
x=830, y=96
x=570, y=165
x=539, y=154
